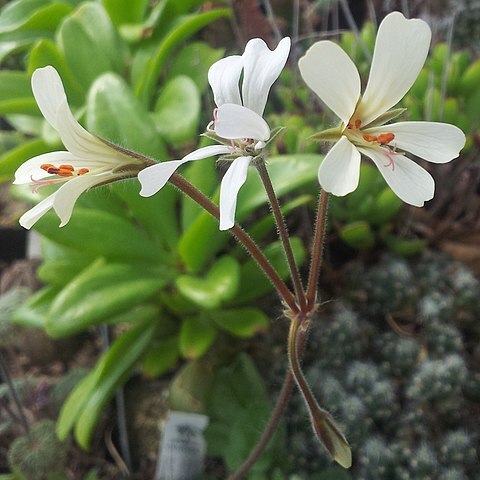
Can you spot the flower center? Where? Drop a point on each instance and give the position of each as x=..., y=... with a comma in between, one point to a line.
x=382, y=139
x=355, y=134
x=63, y=170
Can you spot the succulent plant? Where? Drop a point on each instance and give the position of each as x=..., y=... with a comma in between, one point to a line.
x=405, y=396
x=38, y=455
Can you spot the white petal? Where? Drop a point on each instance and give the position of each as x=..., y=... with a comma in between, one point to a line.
x=31, y=168
x=332, y=75
x=232, y=181
x=339, y=171
x=28, y=219
x=412, y=183
x=400, y=52
x=50, y=96
x=68, y=194
x=48, y=92
x=235, y=121
x=208, y=151
x=432, y=141
x=262, y=67
x=155, y=177
x=224, y=77
x=82, y=143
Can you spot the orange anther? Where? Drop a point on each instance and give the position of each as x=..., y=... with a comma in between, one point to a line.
x=52, y=170
x=385, y=138
x=83, y=171
x=46, y=166
x=349, y=125
x=370, y=138
x=358, y=123
x=67, y=167
x=63, y=172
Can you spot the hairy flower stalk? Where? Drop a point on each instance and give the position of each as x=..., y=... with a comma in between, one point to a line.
x=400, y=51
x=237, y=126
x=88, y=162
x=323, y=425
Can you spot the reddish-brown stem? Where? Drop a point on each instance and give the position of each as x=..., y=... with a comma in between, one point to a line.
x=317, y=248
x=269, y=429
x=242, y=236
x=277, y=412
x=283, y=233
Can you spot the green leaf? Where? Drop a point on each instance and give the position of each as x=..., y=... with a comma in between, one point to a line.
x=194, y=60
x=253, y=283
x=470, y=79
x=15, y=42
x=186, y=27
x=177, y=111
x=158, y=213
x=114, y=113
x=33, y=313
x=45, y=52
x=99, y=292
x=234, y=388
x=204, y=176
x=358, y=235
x=91, y=44
x=287, y=172
x=244, y=322
x=161, y=357
x=190, y=386
x=99, y=233
x=125, y=11
x=35, y=15
x=60, y=271
x=85, y=404
x=219, y=285
x=140, y=313
x=196, y=336
x=405, y=247
x=387, y=206
x=12, y=159
x=16, y=94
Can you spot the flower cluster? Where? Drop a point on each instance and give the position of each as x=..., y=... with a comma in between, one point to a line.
x=241, y=133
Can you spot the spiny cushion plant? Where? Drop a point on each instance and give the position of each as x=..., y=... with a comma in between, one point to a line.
x=405, y=398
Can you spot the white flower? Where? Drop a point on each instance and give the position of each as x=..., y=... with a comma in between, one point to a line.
x=89, y=161
x=400, y=51
x=238, y=124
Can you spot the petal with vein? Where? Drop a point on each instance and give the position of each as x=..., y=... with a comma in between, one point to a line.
x=235, y=121
x=432, y=141
x=409, y=181
x=153, y=178
x=224, y=77
x=400, y=51
x=262, y=67
x=68, y=194
x=49, y=93
x=82, y=143
x=332, y=75
x=339, y=171
x=29, y=218
x=232, y=181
